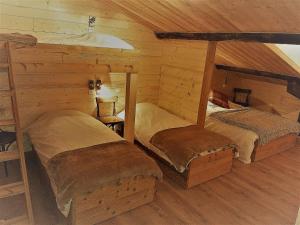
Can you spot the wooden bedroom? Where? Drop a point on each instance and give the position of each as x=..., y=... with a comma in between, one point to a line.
x=149, y=112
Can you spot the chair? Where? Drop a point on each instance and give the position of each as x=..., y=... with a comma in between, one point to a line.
x=241, y=96
x=110, y=120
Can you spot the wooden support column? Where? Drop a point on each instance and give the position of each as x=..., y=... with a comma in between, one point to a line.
x=206, y=82
x=130, y=104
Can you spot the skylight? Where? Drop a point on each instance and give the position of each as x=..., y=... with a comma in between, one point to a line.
x=292, y=51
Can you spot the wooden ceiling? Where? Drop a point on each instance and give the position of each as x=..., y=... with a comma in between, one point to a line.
x=216, y=15
x=225, y=16
x=256, y=56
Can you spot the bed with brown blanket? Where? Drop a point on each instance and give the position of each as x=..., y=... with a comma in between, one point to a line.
x=94, y=173
x=190, y=154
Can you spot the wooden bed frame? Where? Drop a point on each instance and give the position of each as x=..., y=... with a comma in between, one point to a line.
x=274, y=147
x=109, y=201
x=200, y=170
x=112, y=200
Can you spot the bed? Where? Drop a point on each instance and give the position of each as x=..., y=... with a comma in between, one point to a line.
x=257, y=134
x=155, y=126
x=93, y=172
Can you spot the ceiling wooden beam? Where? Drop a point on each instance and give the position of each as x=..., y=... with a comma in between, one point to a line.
x=293, y=85
x=275, y=38
x=258, y=73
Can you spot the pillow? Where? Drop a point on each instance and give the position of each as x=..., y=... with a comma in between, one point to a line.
x=219, y=99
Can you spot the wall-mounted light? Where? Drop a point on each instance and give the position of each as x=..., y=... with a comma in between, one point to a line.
x=92, y=23
x=91, y=85
x=98, y=84
x=225, y=82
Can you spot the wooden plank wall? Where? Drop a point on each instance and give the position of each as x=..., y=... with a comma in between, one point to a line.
x=179, y=64
x=55, y=76
x=268, y=95
x=181, y=77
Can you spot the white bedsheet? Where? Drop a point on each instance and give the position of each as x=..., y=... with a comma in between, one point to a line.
x=67, y=130
x=151, y=119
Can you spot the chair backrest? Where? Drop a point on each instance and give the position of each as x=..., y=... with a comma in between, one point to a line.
x=100, y=100
x=241, y=96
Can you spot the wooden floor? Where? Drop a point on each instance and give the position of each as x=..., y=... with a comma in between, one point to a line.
x=263, y=193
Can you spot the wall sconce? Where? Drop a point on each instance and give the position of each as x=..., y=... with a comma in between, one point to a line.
x=92, y=23
x=98, y=84
x=224, y=85
x=91, y=85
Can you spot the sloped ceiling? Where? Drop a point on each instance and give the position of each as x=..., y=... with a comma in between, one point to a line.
x=225, y=16
x=216, y=15
x=256, y=56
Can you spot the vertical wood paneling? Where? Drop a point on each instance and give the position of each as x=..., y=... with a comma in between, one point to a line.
x=181, y=77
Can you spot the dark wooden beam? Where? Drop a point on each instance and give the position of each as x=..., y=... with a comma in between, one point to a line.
x=258, y=73
x=277, y=38
x=293, y=86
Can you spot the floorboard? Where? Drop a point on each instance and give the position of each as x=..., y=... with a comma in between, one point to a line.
x=263, y=193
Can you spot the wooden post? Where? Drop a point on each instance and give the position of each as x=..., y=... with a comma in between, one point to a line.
x=130, y=104
x=206, y=83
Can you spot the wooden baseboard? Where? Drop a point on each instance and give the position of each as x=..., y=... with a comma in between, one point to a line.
x=274, y=147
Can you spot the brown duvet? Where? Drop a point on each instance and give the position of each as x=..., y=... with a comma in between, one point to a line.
x=184, y=144
x=85, y=170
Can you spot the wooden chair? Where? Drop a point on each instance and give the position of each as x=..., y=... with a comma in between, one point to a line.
x=112, y=121
x=241, y=96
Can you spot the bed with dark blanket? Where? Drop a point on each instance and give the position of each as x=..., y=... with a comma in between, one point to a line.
x=183, y=144
x=84, y=170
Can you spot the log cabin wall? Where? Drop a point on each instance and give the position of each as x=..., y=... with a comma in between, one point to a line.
x=51, y=76
x=181, y=77
x=269, y=95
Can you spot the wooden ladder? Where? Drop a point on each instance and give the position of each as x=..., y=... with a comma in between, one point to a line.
x=21, y=187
